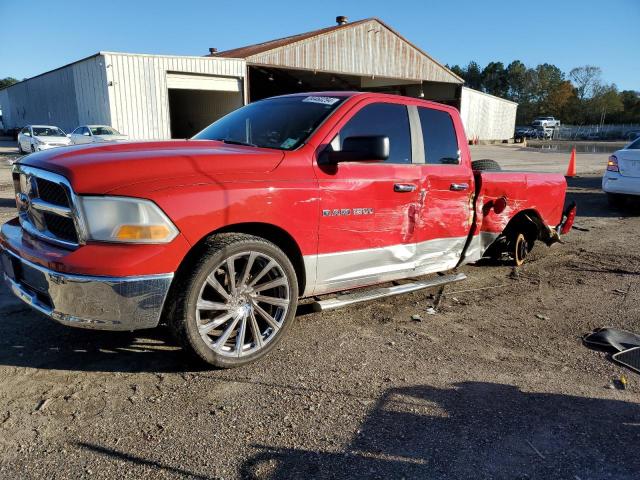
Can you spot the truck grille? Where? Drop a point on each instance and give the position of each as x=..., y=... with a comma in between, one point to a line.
x=52, y=192
x=46, y=207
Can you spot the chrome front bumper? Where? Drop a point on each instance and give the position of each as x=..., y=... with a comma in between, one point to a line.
x=105, y=303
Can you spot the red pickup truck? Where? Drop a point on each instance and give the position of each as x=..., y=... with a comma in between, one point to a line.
x=290, y=197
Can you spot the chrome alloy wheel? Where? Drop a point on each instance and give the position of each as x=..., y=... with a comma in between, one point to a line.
x=242, y=304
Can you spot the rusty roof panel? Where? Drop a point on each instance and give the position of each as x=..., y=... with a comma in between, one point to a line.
x=367, y=48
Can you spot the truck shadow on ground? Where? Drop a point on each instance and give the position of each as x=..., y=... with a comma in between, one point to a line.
x=592, y=201
x=28, y=339
x=472, y=430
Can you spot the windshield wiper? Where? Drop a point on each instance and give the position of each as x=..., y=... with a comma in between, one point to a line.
x=235, y=142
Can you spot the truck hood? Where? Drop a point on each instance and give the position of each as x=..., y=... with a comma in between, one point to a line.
x=102, y=168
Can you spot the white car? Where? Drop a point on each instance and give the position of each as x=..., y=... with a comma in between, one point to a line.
x=96, y=134
x=548, y=122
x=622, y=178
x=34, y=138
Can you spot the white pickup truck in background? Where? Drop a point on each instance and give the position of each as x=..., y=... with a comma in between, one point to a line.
x=547, y=122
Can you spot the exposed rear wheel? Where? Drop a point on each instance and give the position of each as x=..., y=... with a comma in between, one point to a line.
x=519, y=248
x=236, y=302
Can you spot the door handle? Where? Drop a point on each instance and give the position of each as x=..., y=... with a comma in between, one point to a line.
x=404, y=187
x=458, y=187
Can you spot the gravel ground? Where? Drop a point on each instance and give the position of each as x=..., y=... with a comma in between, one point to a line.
x=495, y=385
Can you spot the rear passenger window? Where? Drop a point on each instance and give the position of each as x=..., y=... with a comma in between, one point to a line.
x=387, y=119
x=439, y=134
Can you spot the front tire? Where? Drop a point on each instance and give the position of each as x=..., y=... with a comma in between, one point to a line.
x=235, y=302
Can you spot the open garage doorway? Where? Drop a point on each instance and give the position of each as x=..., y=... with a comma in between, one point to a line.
x=271, y=81
x=196, y=101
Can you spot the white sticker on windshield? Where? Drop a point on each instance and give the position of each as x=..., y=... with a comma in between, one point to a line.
x=288, y=143
x=323, y=100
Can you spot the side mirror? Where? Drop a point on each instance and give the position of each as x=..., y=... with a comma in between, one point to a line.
x=68, y=135
x=372, y=148
x=26, y=134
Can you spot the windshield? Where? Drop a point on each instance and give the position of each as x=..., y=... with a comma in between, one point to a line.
x=282, y=123
x=48, y=132
x=104, y=131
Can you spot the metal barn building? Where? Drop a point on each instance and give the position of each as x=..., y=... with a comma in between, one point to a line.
x=158, y=97
x=143, y=96
x=487, y=117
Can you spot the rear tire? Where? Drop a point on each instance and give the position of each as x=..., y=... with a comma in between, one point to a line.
x=485, y=165
x=616, y=200
x=222, y=311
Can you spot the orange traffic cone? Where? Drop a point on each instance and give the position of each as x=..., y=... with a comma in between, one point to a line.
x=571, y=170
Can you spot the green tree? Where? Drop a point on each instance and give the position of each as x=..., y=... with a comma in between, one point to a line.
x=473, y=76
x=519, y=81
x=494, y=79
x=605, y=101
x=630, y=107
x=458, y=70
x=7, y=81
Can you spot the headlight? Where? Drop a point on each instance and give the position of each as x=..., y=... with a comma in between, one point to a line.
x=123, y=219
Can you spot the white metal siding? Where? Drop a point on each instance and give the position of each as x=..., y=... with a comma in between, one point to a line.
x=138, y=95
x=65, y=97
x=486, y=117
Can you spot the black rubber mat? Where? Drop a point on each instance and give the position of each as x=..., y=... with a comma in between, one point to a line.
x=629, y=358
x=611, y=339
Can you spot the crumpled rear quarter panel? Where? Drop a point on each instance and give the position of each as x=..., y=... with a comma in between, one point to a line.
x=542, y=192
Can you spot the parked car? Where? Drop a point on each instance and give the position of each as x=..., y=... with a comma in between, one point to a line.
x=288, y=197
x=522, y=133
x=548, y=122
x=34, y=138
x=96, y=134
x=595, y=135
x=543, y=133
x=621, y=180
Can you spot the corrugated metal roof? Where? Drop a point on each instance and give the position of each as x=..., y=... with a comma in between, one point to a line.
x=324, y=50
x=249, y=50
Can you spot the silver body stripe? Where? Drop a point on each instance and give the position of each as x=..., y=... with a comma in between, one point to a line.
x=478, y=245
x=331, y=272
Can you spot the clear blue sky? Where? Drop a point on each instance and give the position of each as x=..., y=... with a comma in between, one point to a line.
x=37, y=35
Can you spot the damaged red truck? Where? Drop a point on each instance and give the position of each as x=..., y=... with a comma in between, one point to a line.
x=286, y=198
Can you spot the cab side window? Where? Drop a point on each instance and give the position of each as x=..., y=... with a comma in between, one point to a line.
x=439, y=134
x=387, y=119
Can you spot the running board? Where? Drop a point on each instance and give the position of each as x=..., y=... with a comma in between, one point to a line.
x=366, y=295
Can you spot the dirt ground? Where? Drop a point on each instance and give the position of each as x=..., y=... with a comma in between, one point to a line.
x=496, y=385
